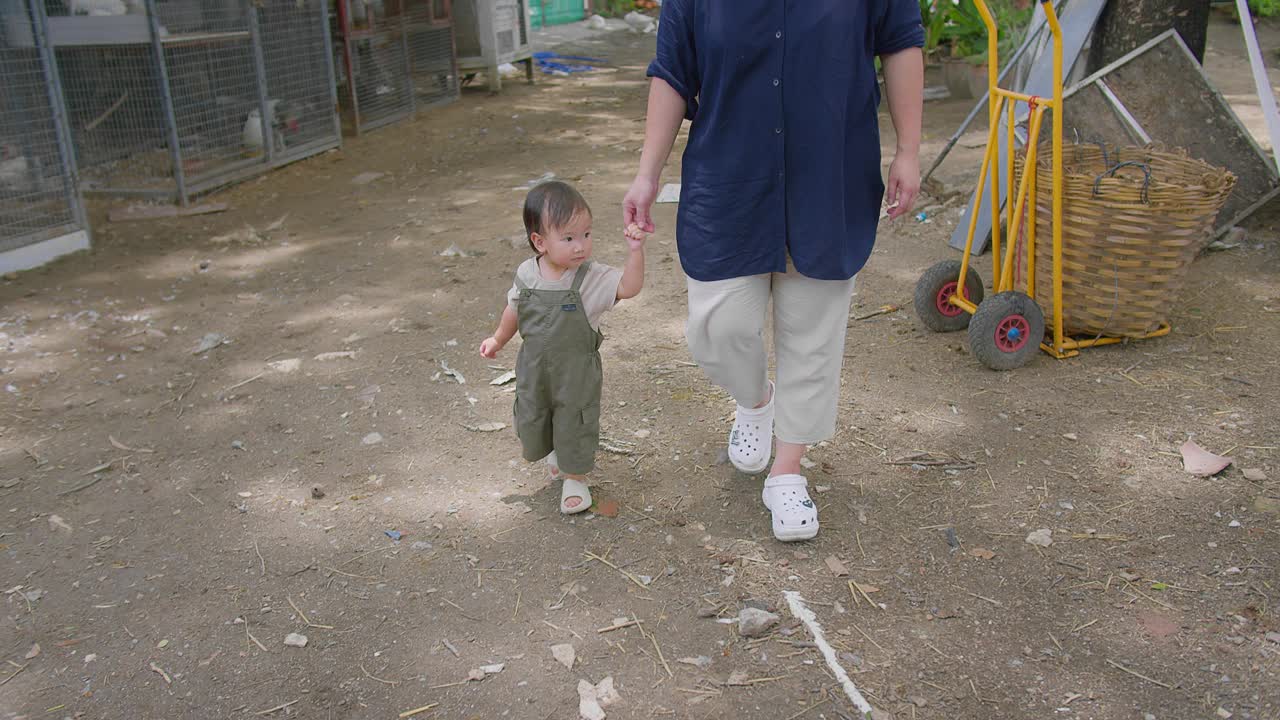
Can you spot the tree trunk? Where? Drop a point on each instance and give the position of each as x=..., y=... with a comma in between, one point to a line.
x=1126, y=24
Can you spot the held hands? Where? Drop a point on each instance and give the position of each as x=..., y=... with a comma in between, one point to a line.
x=638, y=202
x=904, y=185
x=635, y=237
x=490, y=347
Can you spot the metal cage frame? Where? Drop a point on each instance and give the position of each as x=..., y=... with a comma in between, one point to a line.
x=40, y=197
x=187, y=97
x=393, y=64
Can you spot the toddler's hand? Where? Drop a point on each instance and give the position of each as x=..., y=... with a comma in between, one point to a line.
x=635, y=236
x=490, y=347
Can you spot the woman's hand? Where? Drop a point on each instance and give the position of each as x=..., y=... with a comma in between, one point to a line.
x=904, y=184
x=638, y=202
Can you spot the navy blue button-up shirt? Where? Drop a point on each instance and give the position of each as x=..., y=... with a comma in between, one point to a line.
x=784, y=146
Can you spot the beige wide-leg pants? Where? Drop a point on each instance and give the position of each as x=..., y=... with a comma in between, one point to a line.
x=726, y=338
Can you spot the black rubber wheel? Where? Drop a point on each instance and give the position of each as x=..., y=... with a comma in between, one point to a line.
x=934, y=290
x=1006, y=331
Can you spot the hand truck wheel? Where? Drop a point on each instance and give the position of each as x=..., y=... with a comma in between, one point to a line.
x=1006, y=331
x=933, y=295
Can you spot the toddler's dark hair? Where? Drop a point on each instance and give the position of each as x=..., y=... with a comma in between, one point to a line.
x=550, y=206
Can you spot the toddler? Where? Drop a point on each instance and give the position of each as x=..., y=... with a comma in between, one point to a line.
x=556, y=303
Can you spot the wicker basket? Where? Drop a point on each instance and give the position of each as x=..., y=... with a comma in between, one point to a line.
x=1133, y=220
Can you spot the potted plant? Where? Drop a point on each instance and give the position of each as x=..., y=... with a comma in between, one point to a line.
x=933, y=16
x=963, y=33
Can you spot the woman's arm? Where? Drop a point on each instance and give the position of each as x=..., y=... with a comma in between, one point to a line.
x=661, y=123
x=673, y=94
x=904, y=85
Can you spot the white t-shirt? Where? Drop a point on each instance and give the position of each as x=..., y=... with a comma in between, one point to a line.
x=599, y=288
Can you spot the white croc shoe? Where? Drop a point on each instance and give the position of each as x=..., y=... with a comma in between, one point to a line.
x=795, y=517
x=751, y=440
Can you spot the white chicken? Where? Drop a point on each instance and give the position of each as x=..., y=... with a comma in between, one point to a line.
x=251, y=136
x=14, y=168
x=639, y=22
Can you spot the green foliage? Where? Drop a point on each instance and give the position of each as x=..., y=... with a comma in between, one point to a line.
x=1264, y=8
x=959, y=26
x=934, y=20
x=613, y=8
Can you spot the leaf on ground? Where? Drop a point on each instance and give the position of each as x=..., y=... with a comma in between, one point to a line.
x=1200, y=462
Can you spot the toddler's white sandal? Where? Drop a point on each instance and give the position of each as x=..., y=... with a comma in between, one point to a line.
x=569, y=488
x=795, y=517
x=574, y=488
x=751, y=440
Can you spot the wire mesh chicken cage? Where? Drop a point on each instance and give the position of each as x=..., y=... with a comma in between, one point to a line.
x=39, y=200
x=175, y=98
x=395, y=57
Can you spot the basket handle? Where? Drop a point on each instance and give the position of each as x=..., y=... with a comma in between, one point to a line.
x=1102, y=147
x=1146, y=178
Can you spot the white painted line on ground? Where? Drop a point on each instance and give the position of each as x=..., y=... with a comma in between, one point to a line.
x=801, y=612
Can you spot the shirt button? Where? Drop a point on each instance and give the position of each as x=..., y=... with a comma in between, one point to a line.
x=777, y=131
x=778, y=34
x=775, y=82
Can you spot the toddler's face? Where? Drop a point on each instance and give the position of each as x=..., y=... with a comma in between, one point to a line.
x=569, y=246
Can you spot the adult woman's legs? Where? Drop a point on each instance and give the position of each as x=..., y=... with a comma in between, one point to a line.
x=726, y=337
x=809, y=321
x=810, y=318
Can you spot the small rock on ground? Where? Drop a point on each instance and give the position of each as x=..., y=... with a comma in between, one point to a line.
x=295, y=640
x=753, y=622
x=1040, y=538
x=564, y=654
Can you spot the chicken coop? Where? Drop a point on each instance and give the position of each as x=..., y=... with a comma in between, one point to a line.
x=41, y=215
x=175, y=98
x=395, y=57
x=492, y=33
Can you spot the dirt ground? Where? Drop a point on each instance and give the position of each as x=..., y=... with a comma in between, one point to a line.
x=169, y=518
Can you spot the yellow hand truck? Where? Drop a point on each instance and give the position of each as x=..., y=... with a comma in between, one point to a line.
x=1006, y=329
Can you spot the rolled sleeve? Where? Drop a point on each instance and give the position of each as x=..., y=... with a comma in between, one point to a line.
x=676, y=60
x=899, y=27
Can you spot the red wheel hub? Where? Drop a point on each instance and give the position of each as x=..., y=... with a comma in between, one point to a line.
x=1013, y=333
x=943, y=301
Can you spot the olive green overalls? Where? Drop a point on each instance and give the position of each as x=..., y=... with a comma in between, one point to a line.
x=558, y=377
